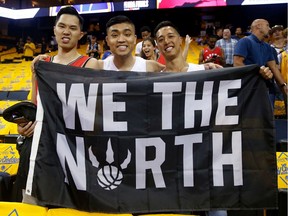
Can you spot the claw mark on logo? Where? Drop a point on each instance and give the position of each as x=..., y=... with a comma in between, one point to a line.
x=109, y=177
x=13, y=213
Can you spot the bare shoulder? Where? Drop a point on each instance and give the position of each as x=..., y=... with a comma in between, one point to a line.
x=154, y=66
x=93, y=63
x=100, y=64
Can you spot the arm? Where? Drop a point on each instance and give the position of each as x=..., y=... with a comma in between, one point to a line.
x=87, y=49
x=93, y=64
x=278, y=77
x=186, y=47
x=238, y=61
x=200, y=61
x=209, y=66
x=265, y=72
x=153, y=66
x=222, y=57
x=27, y=130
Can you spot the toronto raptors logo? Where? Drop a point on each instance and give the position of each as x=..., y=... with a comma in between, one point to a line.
x=109, y=177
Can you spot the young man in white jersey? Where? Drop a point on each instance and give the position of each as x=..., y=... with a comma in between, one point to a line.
x=169, y=44
x=121, y=39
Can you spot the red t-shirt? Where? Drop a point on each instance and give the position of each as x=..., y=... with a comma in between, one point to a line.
x=208, y=54
x=161, y=59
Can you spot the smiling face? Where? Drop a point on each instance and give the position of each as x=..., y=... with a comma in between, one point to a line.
x=121, y=39
x=148, y=48
x=67, y=31
x=168, y=42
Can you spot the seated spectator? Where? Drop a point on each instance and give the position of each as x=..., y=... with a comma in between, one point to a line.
x=106, y=50
x=212, y=53
x=93, y=48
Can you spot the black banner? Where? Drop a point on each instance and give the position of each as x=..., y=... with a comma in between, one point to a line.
x=109, y=141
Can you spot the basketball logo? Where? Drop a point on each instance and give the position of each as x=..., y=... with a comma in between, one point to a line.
x=109, y=177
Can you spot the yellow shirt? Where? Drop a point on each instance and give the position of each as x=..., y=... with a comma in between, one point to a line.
x=283, y=65
x=29, y=49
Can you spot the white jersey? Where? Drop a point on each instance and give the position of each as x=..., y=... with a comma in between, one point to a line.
x=195, y=67
x=139, y=65
x=138, y=48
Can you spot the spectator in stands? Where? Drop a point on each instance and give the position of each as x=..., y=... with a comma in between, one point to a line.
x=106, y=50
x=68, y=31
x=93, y=48
x=278, y=41
x=29, y=49
x=212, y=53
x=228, y=45
x=43, y=45
x=145, y=32
x=150, y=52
x=279, y=44
x=253, y=50
x=219, y=33
x=149, y=49
x=238, y=34
x=20, y=46
x=283, y=60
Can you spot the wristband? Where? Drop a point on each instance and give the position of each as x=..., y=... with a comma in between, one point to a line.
x=20, y=139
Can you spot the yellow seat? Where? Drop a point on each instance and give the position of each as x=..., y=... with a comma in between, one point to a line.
x=72, y=212
x=14, y=208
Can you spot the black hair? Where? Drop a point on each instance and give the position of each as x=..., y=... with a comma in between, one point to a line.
x=142, y=54
x=149, y=39
x=213, y=36
x=165, y=24
x=117, y=20
x=145, y=28
x=71, y=11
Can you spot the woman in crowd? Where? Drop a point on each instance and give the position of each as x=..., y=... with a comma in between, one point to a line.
x=149, y=50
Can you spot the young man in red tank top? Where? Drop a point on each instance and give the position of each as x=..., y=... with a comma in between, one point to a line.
x=67, y=31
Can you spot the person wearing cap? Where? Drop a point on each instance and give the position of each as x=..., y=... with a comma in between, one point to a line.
x=254, y=50
x=278, y=41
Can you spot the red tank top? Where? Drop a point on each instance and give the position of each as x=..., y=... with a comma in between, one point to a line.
x=81, y=61
x=208, y=54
